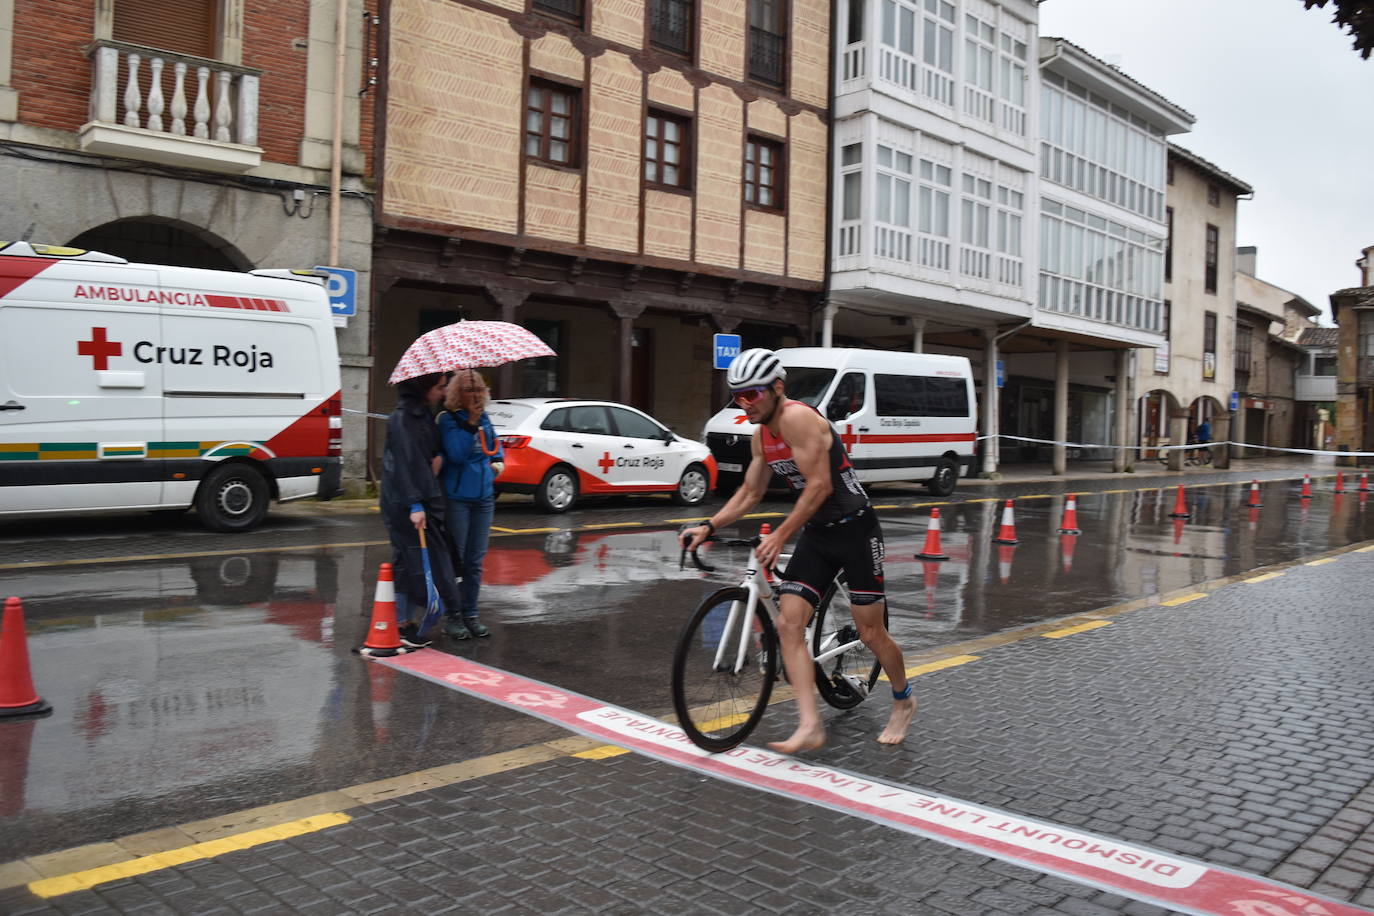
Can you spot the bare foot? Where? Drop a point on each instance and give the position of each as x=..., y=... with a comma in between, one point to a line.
x=803, y=739
x=899, y=721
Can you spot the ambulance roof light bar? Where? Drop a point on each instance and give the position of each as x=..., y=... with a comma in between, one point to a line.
x=25, y=249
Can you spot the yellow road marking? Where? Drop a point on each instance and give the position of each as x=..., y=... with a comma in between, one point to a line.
x=985, y=499
x=601, y=753
x=1321, y=562
x=887, y=507
x=142, y=865
x=1175, y=602
x=676, y=520
x=1037, y=496
x=765, y=515
x=532, y=530
x=1264, y=578
x=1137, y=490
x=614, y=525
x=1081, y=628
x=941, y=665
x=1364, y=549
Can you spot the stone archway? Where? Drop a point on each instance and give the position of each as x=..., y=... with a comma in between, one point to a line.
x=159, y=240
x=1154, y=410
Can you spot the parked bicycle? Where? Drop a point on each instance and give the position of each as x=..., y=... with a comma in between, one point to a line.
x=1200, y=456
x=727, y=657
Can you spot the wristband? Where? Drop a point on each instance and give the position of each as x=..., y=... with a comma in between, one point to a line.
x=708, y=524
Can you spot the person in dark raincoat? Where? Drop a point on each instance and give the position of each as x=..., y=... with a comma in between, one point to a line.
x=412, y=499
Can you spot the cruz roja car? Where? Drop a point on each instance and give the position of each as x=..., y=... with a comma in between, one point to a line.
x=561, y=448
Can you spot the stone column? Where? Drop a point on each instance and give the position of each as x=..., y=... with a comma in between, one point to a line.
x=625, y=314
x=1178, y=435
x=918, y=335
x=508, y=303
x=1121, y=457
x=828, y=313
x=1221, y=432
x=1061, y=406
x=991, y=397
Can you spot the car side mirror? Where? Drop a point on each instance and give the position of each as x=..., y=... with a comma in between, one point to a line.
x=669, y=436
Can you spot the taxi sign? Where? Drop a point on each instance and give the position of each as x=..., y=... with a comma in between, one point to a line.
x=726, y=347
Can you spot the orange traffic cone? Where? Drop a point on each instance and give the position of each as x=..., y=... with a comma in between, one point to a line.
x=383, y=641
x=1066, y=546
x=1364, y=481
x=1254, y=517
x=17, y=696
x=931, y=550
x=1007, y=533
x=1306, y=488
x=1255, y=502
x=1340, y=482
x=1005, y=552
x=1180, y=506
x=1178, y=532
x=1070, y=523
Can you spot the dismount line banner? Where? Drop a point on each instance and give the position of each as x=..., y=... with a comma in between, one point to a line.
x=1162, y=878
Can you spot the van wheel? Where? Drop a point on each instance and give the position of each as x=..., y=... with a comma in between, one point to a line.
x=232, y=497
x=946, y=475
x=558, y=490
x=693, y=486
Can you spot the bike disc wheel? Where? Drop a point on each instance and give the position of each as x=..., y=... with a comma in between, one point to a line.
x=717, y=707
x=844, y=680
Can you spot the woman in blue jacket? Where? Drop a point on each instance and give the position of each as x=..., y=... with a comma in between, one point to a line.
x=473, y=459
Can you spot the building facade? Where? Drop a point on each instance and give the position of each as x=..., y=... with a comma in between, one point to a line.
x=624, y=179
x=198, y=133
x=1353, y=309
x=1190, y=378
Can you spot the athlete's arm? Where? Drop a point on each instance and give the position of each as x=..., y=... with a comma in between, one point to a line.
x=808, y=436
x=745, y=498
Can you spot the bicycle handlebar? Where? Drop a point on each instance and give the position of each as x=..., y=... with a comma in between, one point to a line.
x=725, y=542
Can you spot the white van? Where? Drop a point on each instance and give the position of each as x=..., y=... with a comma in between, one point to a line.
x=901, y=416
x=140, y=386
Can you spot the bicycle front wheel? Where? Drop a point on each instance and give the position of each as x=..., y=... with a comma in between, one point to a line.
x=845, y=678
x=719, y=691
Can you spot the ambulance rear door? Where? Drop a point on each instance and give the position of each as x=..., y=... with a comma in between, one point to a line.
x=80, y=385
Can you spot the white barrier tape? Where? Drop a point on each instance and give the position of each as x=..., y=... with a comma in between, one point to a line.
x=1173, y=448
x=366, y=413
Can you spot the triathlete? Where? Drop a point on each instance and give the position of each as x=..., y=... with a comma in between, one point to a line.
x=838, y=528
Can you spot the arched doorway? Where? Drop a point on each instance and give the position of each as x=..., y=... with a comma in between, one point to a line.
x=154, y=240
x=1153, y=411
x=1203, y=410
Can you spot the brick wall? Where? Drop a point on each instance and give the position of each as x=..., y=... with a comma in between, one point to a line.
x=271, y=32
x=50, y=72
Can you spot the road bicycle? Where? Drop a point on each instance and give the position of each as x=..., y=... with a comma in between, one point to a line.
x=1198, y=456
x=727, y=658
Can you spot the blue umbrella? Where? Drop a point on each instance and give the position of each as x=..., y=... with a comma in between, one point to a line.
x=434, y=608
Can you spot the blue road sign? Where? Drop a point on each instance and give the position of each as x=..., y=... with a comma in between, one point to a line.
x=727, y=348
x=1001, y=374
x=1235, y=400
x=342, y=288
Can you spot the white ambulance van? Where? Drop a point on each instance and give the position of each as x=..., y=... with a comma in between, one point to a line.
x=901, y=416
x=139, y=386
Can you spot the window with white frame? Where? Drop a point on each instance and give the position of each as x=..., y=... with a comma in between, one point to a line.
x=851, y=199
x=937, y=50
x=975, y=227
x=980, y=48
x=1100, y=149
x=1010, y=207
x=897, y=57
x=899, y=27
x=1011, y=83
x=1099, y=269
x=932, y=215
x=892, y=204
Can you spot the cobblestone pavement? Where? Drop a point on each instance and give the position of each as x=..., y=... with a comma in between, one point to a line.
x=1234, y=728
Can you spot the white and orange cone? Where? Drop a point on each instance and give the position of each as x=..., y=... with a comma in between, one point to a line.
x=932, y=550
x=17, y=696
x=1006, y=534
x=383, y=639
x=1255, y=501
x=1340, y=482
x=1306, y=492
x=1180, y=506
x=1070, y=523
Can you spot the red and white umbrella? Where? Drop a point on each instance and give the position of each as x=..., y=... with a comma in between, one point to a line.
x=468, y=345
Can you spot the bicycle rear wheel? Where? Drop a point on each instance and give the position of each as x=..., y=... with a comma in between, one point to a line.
x=846, y=679
x=716, y=706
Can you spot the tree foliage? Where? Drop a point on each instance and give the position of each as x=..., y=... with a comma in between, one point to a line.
x=1356, y=17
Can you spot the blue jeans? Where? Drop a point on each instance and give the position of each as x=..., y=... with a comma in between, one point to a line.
x=470, y=524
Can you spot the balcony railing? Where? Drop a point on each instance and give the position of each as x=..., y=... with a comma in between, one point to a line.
x=766, y=56
x=172, y=108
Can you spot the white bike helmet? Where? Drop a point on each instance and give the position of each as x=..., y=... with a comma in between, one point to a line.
x=754, y=368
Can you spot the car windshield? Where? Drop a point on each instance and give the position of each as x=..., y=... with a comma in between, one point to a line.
x=807, y=383
x=508, y=414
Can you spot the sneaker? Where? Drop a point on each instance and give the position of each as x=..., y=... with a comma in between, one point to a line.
x=476, y=627
x=456, y=629
x=410, y=636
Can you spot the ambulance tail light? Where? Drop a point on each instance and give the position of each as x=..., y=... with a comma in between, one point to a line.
x=515, y=441
x=333, y=409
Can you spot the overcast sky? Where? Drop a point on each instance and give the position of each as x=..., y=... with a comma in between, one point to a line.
x=1282, y=102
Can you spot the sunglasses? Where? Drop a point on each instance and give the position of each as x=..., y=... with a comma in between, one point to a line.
x=746, y=396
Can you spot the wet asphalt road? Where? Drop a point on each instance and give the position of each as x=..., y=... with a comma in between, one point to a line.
x=193, y=673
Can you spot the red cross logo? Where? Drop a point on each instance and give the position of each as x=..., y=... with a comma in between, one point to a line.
x=742, y=418
x=605, y=463
x=848, y=437
x=99, y=349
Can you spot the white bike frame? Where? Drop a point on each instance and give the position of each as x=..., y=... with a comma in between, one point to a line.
x=741, y=613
